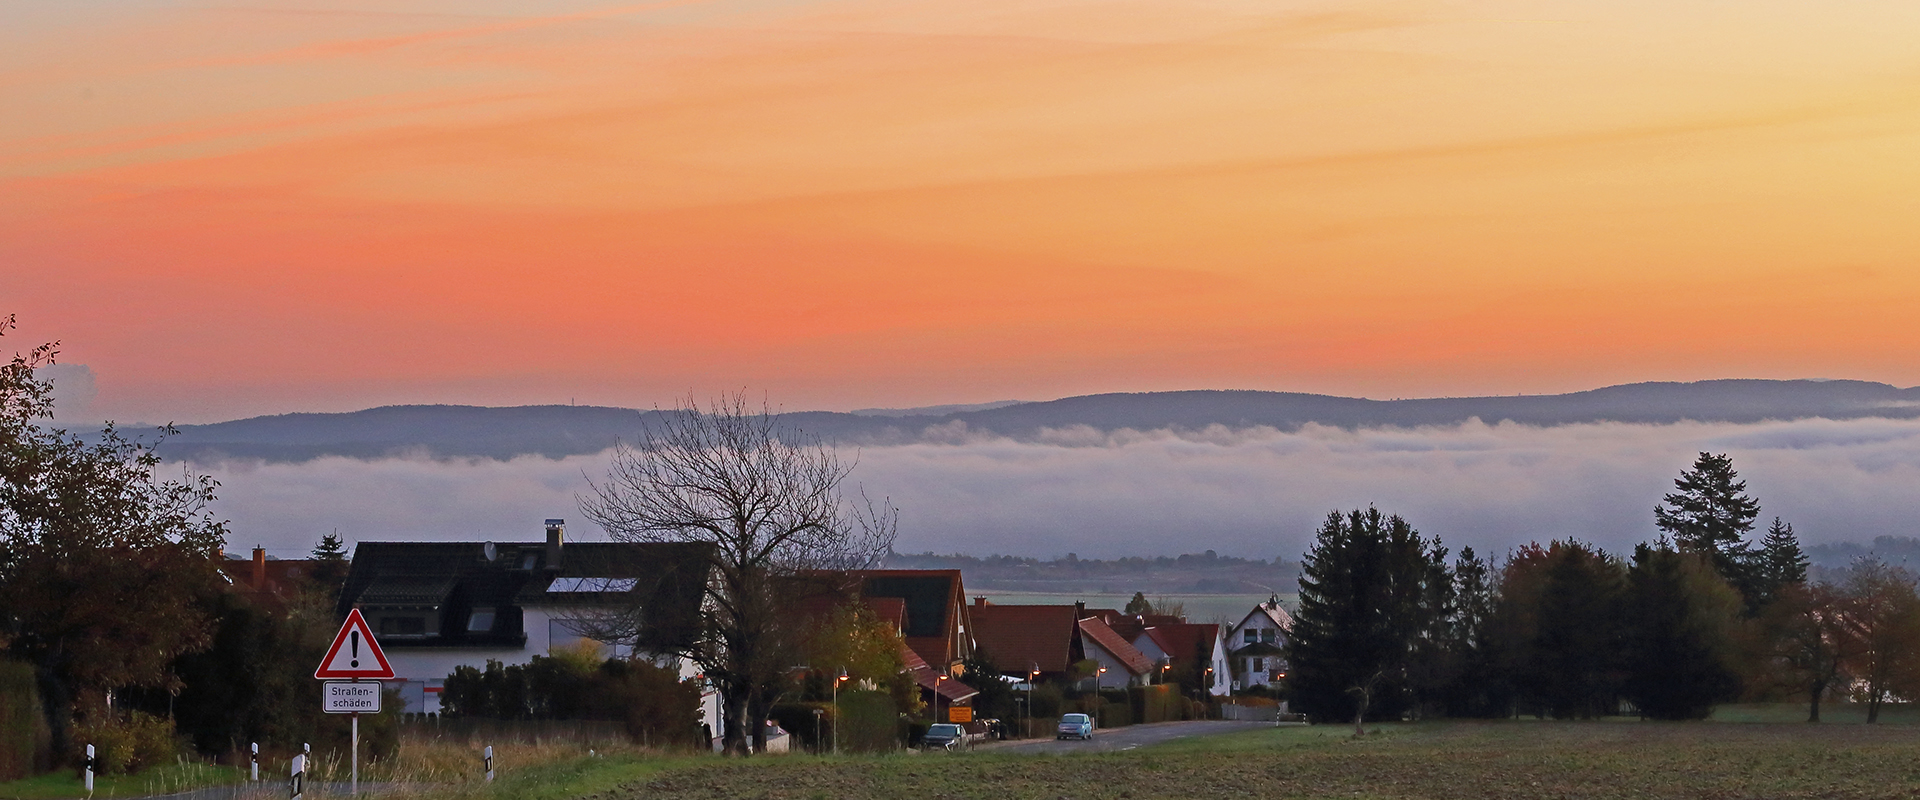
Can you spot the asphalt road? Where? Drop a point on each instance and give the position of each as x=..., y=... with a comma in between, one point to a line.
x=1125, y=738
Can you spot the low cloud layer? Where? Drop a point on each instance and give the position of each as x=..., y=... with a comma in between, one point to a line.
x=1257, y=492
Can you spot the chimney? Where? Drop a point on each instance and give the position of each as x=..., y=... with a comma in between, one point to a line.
x=259, y=569
x=979, y=602
x=1079, y=610
x=556, y=538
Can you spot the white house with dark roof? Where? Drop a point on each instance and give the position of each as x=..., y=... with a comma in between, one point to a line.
x=1257, y=646
x=435, y=606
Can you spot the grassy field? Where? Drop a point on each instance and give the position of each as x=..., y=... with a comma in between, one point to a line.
x=1622, y=759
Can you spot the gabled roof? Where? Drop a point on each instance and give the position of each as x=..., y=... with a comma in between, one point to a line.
x=1271, y=610
x=1097, y=632
x=1129, y=626
x=1021, y=638
x=1184, y=641
x=932, y=598
x=953, y=691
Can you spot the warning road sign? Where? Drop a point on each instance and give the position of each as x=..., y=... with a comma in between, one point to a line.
x=354, y=653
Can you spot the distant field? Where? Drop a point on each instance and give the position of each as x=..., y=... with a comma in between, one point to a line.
x=1510, y=759
x=1200, y=607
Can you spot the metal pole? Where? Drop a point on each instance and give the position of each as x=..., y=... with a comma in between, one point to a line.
x=353, y=789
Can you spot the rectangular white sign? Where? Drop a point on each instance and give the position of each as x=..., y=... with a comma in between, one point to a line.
x=341, y=697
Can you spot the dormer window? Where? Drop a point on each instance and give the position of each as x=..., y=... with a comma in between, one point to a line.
x=480, y=621
x=403, y=626
x=527, y=561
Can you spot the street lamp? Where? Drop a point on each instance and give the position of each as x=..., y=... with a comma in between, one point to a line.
x=836, y=709
x=1032, y=677
x=936, y=697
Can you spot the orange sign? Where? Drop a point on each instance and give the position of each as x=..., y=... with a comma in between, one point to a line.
x=959, y=713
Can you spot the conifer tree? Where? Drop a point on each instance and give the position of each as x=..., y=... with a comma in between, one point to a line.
x=1711, y=513
x=1678, y=651
x=1781, y=562
x=1365, y=589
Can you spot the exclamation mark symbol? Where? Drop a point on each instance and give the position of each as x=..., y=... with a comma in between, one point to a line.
x=353, y=637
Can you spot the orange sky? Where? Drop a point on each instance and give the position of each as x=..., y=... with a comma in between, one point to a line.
x=227, y=210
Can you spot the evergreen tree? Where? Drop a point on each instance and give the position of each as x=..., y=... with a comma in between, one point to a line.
x=1138, y=605
x=1573, y=659
x=330, y=571
x=1478, y=687
x=1365, y=594
x=1712, y=513
x=1679, y=632
x=1779, y=564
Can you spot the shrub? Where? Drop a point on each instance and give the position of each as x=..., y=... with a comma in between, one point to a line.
x=1115, y=715
x=868, y=722
x=25, y=741
x=125, y=746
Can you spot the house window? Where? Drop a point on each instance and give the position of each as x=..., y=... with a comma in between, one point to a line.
x=481, y=621
x=1268, y=634
x=1252, y=636
x=1255, y=664
x=403, y=626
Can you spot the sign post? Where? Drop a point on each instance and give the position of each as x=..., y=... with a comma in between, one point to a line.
x=354, y=656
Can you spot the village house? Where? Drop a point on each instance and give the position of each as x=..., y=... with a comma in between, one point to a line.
x=1198, y=648
x=1258, y=654
x=434, y=606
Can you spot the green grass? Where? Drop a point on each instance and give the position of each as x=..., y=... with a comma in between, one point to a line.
x=174, y=777
x=1502, y=759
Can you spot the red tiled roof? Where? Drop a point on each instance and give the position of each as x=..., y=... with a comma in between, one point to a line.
x=1181, y=641
x=1130, y=626
x=1096, y=631
x=891, y=609
x=952, y=690
x=1020, y=638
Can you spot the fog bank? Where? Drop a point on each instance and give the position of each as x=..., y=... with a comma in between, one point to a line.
x=1252, y=492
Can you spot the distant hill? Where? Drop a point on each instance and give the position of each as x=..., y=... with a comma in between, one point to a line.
x=560, y=431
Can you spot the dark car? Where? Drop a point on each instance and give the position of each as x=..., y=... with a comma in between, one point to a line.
x=944, y=736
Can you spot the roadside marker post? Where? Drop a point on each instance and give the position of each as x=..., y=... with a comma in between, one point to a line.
x=354, y=656
x=253, y=762
x=297, y=786
x=90, y=768
x=489, y=763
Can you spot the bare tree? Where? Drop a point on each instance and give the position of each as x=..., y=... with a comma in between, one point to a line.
x=1882, y=620
x=769, y=501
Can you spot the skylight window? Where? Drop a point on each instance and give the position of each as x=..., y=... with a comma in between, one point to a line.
x=584, y=585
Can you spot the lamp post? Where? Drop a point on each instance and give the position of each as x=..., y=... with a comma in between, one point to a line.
x=936, y=697
x=836, y=709
x=1033, y=675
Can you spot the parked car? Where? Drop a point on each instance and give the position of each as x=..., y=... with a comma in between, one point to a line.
x=944, y=736
x=1078, y=726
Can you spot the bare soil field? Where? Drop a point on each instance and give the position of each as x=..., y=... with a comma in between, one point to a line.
x=1512, y=759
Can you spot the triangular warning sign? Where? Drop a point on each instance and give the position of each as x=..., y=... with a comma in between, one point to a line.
x=354, y=653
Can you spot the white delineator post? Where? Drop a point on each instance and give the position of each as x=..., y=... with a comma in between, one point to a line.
x=89, y=766
x=253, y=764
x=489, y=763
x=297, y=787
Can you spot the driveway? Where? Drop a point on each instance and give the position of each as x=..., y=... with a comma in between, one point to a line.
x=1126, y=738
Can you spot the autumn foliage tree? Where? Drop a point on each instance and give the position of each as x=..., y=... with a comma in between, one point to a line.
x=105, y=568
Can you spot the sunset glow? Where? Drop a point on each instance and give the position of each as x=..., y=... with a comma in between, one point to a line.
x=231, y=210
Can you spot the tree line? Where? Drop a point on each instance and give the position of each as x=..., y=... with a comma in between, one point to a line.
x=1388, y=626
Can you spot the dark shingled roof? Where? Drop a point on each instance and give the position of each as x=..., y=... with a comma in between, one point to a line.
x=453, y=578
x=1096, y=631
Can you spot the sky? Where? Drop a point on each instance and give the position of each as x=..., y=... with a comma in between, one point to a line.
x=223, y=209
